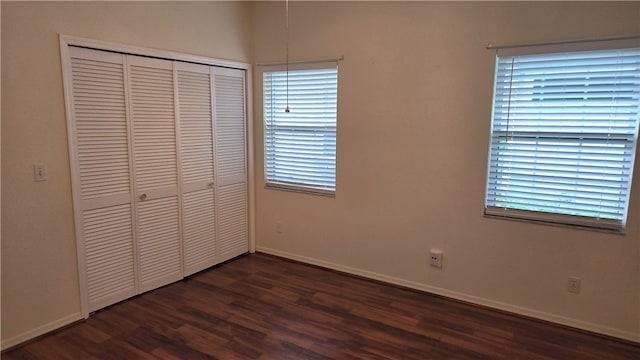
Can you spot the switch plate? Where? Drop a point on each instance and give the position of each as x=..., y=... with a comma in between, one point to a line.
x=573, y=285
x=39, y=172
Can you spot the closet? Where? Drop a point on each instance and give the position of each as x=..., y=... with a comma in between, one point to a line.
x=159, y=169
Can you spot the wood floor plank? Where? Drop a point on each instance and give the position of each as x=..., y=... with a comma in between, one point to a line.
x=263, y=307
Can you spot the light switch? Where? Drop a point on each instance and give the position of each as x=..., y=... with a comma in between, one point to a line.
x=39, y=172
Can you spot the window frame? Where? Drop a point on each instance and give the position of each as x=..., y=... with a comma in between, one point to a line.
x=301, y=187
x=550, y=217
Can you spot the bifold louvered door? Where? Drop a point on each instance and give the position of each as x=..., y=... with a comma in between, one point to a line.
x=198, y=183
x=231, y=167
x=103, y=176
x=158, y=155
x=153, y=116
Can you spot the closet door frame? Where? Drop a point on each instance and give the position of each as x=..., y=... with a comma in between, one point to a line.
x=65, y=42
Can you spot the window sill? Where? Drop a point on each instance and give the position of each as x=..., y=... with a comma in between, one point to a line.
x=300, y=189
x=556, y=224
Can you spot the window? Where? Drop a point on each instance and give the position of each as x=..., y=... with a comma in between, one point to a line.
x=300, y=145
x=563, y=137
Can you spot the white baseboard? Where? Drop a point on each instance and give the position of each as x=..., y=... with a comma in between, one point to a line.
x=600, y=329
x=40, y=330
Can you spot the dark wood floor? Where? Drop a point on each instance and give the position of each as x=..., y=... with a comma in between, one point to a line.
x=261, y=307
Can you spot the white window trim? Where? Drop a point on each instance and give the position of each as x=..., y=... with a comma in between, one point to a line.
x=590, y=223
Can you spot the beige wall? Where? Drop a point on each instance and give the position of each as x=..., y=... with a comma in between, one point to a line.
x=39, y=272
x=414, y=106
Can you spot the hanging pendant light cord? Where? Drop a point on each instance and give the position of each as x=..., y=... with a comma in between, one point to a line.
x=287, y=52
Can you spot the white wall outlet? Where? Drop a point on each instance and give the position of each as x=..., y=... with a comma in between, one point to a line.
x=39, y=172
x=573, y=285
x=279, y=227
x=436, y=258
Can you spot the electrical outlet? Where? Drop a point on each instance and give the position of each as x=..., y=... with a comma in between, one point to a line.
x=573, y=285
x=279, y=227
x=436, y=258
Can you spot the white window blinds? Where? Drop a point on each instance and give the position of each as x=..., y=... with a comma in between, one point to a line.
x=300, y=145
x=563, y=137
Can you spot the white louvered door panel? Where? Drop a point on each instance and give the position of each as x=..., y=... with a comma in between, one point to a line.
x=231, y=168
x=196, y=144
x=151, y=92
x=102, y=175
x=109, y=255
